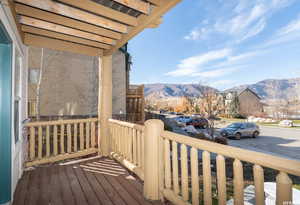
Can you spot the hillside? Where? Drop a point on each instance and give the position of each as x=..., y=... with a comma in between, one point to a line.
x=275, y=89
x=174, y=90
x=270, y=89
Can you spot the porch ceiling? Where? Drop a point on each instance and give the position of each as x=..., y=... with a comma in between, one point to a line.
x=90, y=27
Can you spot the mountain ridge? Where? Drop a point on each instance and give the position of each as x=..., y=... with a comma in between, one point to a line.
x=268, y=89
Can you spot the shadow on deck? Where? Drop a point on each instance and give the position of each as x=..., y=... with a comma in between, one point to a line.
x=101, y=181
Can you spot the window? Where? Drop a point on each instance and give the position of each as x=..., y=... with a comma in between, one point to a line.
x=33, y=75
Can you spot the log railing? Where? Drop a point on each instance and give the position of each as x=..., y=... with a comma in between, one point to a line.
x=189, y=152
x=52, y=141
x=127, y=145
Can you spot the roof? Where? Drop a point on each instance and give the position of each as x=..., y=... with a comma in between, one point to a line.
x=90, y=27
x=248, y=89
x=240, y=91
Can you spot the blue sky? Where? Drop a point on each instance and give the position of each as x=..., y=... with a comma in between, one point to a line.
x=221, y=43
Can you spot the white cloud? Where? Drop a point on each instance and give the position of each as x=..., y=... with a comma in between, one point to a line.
x=216, y=73
x=286, y=34
x=259, y=27
x=198, y=33
x=248, y=19
x=293, y=26
x=193, y=35
x=192, y=64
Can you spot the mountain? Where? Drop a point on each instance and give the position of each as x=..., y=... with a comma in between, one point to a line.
x=159, y=90
x=270, y=89
x=274, y=89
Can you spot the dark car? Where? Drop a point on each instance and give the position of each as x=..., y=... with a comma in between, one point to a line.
x=198, y=123
x=240, y=129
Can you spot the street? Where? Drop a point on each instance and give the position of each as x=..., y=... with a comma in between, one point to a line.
x=284, y=142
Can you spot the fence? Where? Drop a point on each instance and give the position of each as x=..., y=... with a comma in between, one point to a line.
x=135, y=104
x=179, y=168
x=51, y=141
x=127, y=145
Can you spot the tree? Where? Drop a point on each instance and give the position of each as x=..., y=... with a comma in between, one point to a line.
x=38, y=87
x=233, y=106
x=212, y=105
x=40, y=80
x=197, y=109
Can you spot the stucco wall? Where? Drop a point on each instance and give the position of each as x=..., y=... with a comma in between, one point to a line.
x=70, y=82
x=119, y=83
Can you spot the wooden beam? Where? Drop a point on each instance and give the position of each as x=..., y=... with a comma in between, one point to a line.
x=138, y=5
x=65, y=21
x=64, y=10
x=104, y=11
x=143, y=22
x=156, y=23
x=11, y=5
x=44, y=42
x=155, y=2
x=51, y=34
x=65, y=30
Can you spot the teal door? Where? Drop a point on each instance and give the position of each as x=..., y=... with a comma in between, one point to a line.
x=5, y=115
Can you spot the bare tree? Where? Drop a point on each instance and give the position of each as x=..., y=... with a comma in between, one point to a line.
x=212, y=105
x=40, y=80
x=38, y=87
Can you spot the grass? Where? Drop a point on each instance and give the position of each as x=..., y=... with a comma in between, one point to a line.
x=297, y=186
x=233, y=120
x=296, y=121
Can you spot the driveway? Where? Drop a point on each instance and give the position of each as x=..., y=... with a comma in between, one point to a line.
x=284, y=142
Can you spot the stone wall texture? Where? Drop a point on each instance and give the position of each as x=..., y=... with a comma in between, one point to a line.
x=69, y=84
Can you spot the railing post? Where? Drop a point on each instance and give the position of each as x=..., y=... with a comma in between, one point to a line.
x=153, y=156
x=284, y=194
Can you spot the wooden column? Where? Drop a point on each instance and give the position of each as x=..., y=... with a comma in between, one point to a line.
x=153, y=158
x=104, y=103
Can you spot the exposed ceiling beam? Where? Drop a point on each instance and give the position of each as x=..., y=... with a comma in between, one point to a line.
x=99, y=9
x=12, y=8
x=51, y=34
x=156, y=23
x=58, y=8
x=138, y=5
x=65, y=30
x=143, y=22
x=155, y=2
x=44, y=42
x=65, y=21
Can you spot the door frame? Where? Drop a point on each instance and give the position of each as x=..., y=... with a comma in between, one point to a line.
x=6, y=53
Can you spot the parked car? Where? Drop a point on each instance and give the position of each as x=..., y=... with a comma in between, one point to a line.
x=240, y=129
x=198, y=123
x=196, y=116
x=163, y=111
x=183, y=119
x=286, y=123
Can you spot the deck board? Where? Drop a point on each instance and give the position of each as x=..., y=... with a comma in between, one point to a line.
x=98, y=181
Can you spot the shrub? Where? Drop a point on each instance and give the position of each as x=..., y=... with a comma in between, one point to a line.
x=168, y=127
x=239, y=116
x=221, y=140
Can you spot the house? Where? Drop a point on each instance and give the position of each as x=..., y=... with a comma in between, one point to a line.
x=244, y=102
x=91, y=160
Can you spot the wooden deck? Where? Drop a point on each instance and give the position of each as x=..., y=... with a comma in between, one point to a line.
x=101, y=181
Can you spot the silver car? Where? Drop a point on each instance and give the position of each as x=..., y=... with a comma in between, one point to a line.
x=240, y=129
